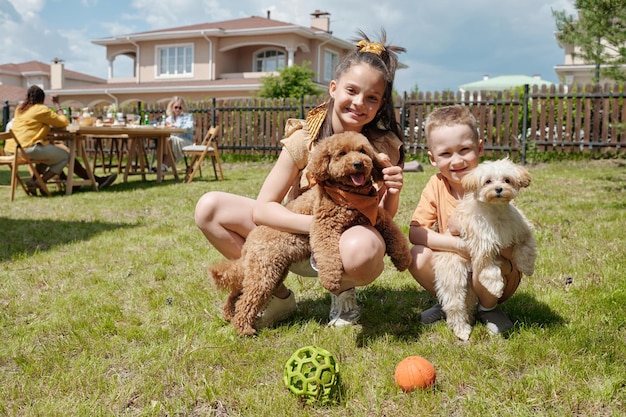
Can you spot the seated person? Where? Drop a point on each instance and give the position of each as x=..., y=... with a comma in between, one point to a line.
x=178, y=116
x=31, y=126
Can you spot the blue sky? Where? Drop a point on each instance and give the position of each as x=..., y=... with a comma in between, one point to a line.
x=448, y=42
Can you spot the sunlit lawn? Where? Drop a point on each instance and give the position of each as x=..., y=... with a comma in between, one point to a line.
x=106, y=310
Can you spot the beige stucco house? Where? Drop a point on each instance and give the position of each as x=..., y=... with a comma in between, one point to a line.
x=197, y=62
x=574, y=70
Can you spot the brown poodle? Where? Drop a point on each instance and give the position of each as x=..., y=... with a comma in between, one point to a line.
x=341, y=168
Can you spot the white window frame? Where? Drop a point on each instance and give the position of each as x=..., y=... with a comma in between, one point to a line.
x=331, y=60
x=187, y=66
x=266, y=59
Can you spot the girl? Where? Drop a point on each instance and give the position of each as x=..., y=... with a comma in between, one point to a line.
x=361, y=101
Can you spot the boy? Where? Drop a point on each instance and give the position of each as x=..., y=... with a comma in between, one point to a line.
x=454, y=148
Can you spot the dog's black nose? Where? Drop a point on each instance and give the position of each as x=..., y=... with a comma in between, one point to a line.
x=358, y=165
x=499, y=190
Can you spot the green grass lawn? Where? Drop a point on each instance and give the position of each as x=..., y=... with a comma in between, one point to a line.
x=106, y=310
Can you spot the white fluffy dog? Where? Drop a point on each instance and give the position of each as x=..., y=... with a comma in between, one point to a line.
x=488, y=222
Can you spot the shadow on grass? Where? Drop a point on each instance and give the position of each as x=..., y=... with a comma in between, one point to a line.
x=384, y=312
x=394, y=312
x=527, y=310
x=23, y=237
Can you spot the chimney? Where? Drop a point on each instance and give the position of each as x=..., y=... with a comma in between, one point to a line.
x=268, y=14
x=57, y=76
x=320, y=20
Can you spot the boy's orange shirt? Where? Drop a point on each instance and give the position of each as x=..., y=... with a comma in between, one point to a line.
x=435, y=206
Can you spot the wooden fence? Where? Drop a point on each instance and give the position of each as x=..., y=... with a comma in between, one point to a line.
x=544, y=120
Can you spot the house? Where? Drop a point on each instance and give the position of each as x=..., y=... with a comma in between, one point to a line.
x=197, y=62
x=16, y=78
x=575, y=71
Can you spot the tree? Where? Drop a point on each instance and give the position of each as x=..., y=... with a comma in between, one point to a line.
x=294, y=81
x=599, y=34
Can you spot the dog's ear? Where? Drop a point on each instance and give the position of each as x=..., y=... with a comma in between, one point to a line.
x=318, y=162
x=380, y=161
x=524, y=177
x=471, y=180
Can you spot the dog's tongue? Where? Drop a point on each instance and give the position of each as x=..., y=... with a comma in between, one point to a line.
x=358, y=179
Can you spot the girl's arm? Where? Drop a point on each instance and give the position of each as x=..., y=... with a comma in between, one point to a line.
x=269, y=211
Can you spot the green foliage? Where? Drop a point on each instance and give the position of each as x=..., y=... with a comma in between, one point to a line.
x=294, y=81
x=599, y=32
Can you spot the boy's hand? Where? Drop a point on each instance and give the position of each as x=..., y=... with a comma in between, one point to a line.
x=462, y=249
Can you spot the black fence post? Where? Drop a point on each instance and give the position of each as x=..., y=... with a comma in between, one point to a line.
x=525, y=122
x=213, y=111
x=5, y=115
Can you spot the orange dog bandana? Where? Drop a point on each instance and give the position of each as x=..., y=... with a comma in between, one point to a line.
x=364, y=199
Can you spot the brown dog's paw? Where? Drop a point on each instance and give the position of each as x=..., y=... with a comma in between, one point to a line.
x=403, y=261
x=243, y=327
x=247, y=331
x=228, y=311
x=330, y=284
x=400, y=254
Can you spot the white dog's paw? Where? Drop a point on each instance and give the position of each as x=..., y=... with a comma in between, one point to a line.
x=526, y=267
x=491, y=279
x=527, y=270
x=462, y=331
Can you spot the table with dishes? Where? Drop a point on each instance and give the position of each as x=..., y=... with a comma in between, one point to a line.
x=76, y=136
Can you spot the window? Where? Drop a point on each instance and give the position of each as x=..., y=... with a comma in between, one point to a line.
x=174, y=60
x=270, y=60
x=331, y=60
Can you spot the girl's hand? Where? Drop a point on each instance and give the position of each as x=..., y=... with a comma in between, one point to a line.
x=393, y=178
x=392, y=175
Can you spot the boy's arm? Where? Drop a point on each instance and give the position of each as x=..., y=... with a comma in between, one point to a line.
x=419, y=235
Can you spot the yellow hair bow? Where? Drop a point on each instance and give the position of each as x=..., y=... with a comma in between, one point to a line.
x=371, y=47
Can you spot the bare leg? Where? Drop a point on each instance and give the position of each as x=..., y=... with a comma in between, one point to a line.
x=421, y=268
x=225, y=220
x=362, y=251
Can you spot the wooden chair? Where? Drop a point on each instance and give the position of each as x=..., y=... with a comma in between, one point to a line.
x=16, y=160
x=208, y=147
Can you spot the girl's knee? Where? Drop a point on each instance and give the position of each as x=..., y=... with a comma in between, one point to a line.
x=362, y=252
x=206, y=208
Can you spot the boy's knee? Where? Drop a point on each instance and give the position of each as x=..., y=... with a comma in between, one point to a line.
x=421, y=259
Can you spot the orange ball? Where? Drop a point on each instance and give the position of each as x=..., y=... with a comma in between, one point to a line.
x=414, y=372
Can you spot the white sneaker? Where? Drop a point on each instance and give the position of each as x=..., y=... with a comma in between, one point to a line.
x=344, y=310
x=276, y=309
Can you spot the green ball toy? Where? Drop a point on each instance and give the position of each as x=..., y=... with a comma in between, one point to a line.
x=312, y=374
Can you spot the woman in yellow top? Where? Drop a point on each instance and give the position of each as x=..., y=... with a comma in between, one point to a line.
x=31, y=125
